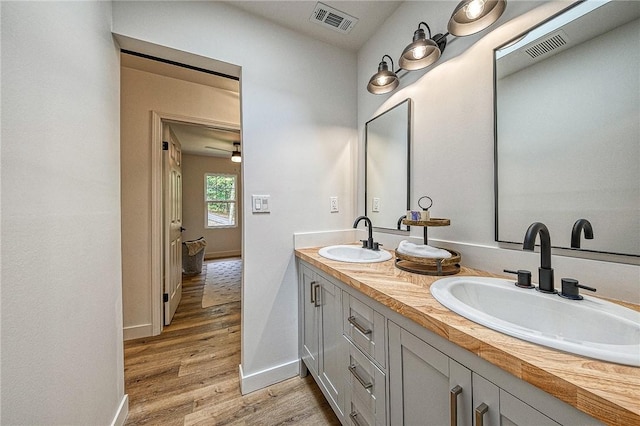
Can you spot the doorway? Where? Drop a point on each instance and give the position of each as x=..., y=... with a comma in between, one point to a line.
x=154, y=93
x=199, y=163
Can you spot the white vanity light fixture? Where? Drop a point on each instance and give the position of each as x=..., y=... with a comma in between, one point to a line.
x=423, y=51
x=236, y=157
x=383, y=81
x=472, y=16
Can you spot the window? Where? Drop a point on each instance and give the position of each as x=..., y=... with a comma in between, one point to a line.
x=220, y=192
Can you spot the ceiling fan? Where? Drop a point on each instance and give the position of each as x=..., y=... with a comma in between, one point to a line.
x=236, y=157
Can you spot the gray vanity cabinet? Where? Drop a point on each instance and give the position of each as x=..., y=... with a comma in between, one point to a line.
x=323, y=349
x=423, y=382
x=376, y=368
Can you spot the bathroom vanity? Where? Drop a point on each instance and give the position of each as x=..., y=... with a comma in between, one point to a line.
x=385, y=352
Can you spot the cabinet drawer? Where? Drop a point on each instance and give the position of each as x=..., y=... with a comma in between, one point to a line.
x=366, y=390
x=365, y=328
x=359, y=412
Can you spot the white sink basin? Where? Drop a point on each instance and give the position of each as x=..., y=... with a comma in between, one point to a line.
x=354, y=254
x=590, y=327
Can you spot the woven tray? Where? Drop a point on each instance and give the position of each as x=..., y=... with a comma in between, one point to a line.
x=429, y=266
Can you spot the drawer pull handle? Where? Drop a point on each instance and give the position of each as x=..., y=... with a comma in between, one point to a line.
x=453, y=404
x=361, y=329
x=354, y=418
x=366, y=385
x=480, y=412
x=314, y=294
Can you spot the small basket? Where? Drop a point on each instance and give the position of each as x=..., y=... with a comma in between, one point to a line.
x=192, y=265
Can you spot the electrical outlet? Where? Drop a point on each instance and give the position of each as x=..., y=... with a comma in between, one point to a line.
x=334, y=204
x=376, y=205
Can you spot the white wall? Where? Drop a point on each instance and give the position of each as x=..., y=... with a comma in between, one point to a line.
x=453, y=140
x=221, y=242
x=141, y=93
x=298, y=123
x=62, y=350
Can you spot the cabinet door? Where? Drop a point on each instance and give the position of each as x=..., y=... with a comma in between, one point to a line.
x=514, y=412
x=311, y=319
x=486, y=402
x=495, y=407
x=331, y=342
x=423, y=383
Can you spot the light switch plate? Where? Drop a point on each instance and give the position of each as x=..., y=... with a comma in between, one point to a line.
x=333, y=204
x=261, y=203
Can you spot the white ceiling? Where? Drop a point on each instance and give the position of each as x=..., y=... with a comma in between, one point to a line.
x=295, y=16
x=201, y=140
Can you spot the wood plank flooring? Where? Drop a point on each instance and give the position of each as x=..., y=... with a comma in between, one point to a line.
x=189, y=374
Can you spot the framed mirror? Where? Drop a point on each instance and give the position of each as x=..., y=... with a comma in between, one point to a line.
x=387, y=166
x=567, y=108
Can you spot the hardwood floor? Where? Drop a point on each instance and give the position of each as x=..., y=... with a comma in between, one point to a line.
x=189, y=374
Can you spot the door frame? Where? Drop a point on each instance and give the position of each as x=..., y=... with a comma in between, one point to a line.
x=157, y=196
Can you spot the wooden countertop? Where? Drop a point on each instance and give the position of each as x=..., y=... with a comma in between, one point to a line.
x=607, y=391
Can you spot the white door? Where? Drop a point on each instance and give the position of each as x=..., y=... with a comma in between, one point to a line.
x=172, y=190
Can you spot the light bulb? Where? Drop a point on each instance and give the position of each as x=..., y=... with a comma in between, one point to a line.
x=474, y=9
x=383, y=80
x=418, y=52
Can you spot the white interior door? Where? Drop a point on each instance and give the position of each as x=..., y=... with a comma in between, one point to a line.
x=172, y=189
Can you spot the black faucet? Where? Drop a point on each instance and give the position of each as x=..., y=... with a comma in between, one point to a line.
x=581, y=224
x=368, y=243
x=545, y=271
x=399, y=224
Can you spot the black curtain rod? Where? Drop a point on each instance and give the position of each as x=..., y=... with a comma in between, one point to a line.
x=178, y=64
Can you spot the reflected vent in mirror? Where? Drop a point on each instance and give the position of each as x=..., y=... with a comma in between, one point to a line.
x=332, y=18
x=548, y=45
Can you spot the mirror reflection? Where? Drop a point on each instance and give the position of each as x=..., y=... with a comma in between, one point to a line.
x=568, y=128
x=387, y=142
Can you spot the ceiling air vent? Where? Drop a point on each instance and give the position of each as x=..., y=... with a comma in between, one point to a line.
x=332, y=18
x=548, y=45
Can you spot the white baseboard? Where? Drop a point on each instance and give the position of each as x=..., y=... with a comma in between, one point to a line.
x=122, y=413
x=221, y=254
x=268, y=377
x=137, y=331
